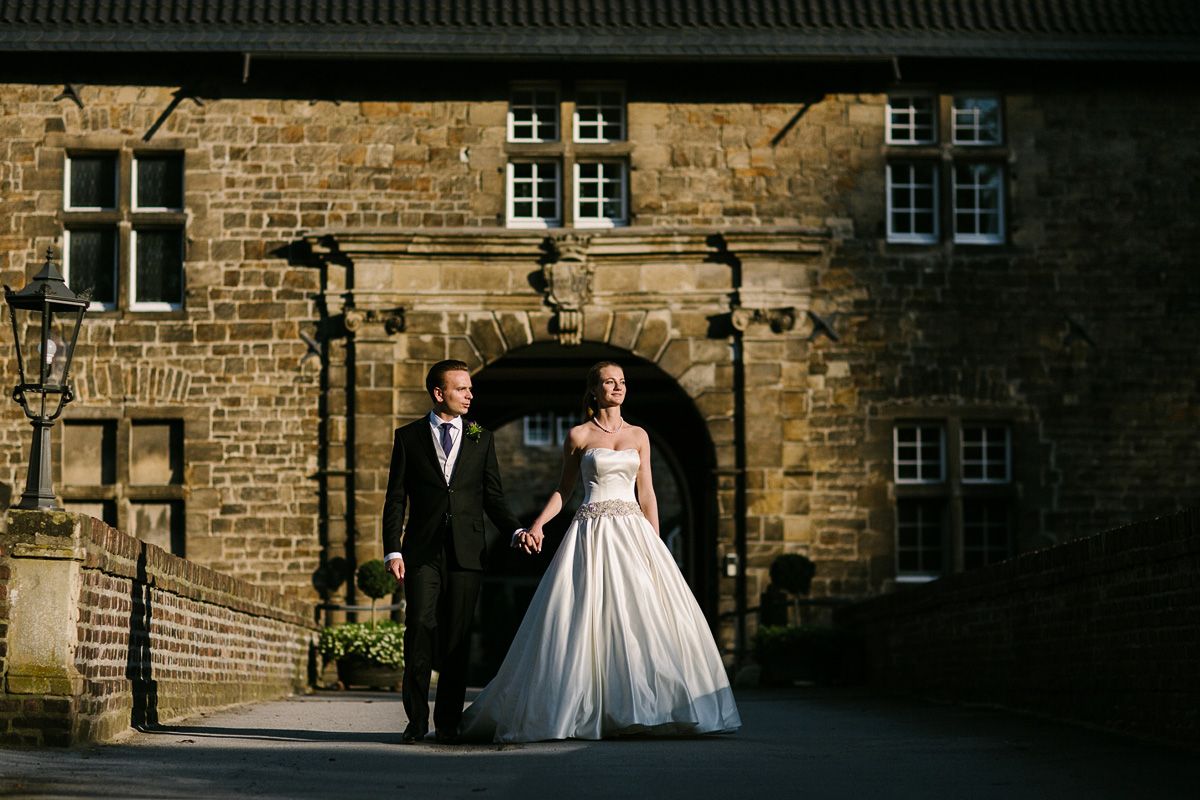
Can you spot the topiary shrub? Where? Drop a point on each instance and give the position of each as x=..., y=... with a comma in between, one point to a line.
x=793, y=573
x=374, y=580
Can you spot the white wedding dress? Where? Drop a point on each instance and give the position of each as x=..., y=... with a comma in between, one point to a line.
x=613, y=642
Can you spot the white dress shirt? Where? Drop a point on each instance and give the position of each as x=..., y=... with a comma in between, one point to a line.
x=445, y=460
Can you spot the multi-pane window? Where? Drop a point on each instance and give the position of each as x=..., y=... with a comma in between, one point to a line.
x=546, y=429
x=986, y=453
x=976, y=120
x=599, y=114
x=91, y=182
x=954, y=497
x=918, y=453
x=912, y=201
x=986, y=532
x=157, y=274
x=911, y=119
x=90, y=262
x=533, y=114
x=974, y=180
x=539, y=429
x=978, y=203
x=534, y=194
x=563, y=426
x=581, y=180
x=129, y=473
x=600, y=194
x=143, y=269
x=920, y=528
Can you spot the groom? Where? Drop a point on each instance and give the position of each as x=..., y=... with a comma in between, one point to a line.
x=445, y=472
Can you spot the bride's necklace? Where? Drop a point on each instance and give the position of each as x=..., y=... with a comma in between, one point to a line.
x=620, y=424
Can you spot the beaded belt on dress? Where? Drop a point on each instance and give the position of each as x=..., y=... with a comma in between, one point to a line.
x=608, y=508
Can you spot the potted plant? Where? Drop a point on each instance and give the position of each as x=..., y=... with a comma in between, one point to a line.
x=367, y=653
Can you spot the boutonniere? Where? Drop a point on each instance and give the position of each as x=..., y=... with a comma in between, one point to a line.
x=474, y=430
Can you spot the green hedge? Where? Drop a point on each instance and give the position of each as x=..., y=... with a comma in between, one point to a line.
x=791, y=654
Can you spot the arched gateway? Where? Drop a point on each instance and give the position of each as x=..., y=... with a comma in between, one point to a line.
x=698, y=319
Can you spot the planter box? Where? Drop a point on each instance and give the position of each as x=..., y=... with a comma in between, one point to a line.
x=358, y=671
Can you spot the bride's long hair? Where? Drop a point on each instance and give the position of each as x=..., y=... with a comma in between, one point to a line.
x=591, y=406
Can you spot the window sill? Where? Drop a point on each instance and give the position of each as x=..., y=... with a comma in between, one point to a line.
x=136, y=314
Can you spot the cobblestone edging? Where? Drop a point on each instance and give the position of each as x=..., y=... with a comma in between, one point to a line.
x=1103, y=630
x=100, y=632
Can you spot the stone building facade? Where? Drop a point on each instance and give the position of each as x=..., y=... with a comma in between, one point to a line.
x=905, y=317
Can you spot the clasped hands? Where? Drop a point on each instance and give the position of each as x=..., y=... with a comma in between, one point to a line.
x=529, y=541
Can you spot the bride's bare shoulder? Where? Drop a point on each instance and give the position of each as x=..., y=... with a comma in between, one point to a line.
x=577, y=439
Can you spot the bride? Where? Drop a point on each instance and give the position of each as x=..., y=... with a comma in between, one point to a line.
x=613, y=642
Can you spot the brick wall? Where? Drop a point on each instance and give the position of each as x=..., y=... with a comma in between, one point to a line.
x=1103, y=630
x=155, y=638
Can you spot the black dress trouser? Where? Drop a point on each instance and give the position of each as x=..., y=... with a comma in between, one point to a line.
x=440, y=602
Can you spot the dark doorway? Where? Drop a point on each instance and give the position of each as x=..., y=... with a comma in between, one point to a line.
x=528, y=398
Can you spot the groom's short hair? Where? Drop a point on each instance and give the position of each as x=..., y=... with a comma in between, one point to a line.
x=436, y=377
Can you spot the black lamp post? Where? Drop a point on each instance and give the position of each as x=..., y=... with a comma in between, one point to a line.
x=49, y=315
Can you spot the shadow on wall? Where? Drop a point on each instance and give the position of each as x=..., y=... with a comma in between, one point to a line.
x=139, y=668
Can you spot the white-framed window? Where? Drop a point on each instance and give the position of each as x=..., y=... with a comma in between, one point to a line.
x=916, y=212
x=90, y=263
x=920, y=539
x=911, y=119
x=954, y=495
x=986, y=453
x=912, y=194
x=976, y=120
x=538, y=430
x=600, y=192
x=919, y=453
x=563, y=427
x=978, y=203
x=533, y=113
x=157, y=182
x=144, y=270
x=156, y=274
x=534, y=194
x=986, y=532
x=90, y=182
x=599, y=113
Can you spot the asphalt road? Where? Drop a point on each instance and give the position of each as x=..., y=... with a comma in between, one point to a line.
x=802, y=743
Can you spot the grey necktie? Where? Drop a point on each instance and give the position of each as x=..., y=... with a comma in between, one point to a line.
x=447, y=442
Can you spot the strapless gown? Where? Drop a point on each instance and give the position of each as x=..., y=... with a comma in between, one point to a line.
x=613, y=642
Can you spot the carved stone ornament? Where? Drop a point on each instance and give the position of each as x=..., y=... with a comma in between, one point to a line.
x=568, y=284
x=779, y=319
x=392, y=319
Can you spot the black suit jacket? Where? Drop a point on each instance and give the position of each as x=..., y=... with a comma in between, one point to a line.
x=437, y=510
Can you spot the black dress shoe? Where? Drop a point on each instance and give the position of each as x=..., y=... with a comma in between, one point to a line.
x=446, y=737
x=412, y=735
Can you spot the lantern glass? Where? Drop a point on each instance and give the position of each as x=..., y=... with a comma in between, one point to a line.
x=44, y=364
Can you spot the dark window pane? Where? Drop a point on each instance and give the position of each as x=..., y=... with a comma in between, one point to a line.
x=93, y=181
x=159, y=266
x=92, y=262
x=160, y=181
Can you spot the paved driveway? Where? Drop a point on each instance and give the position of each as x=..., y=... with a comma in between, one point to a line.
x=795, y=744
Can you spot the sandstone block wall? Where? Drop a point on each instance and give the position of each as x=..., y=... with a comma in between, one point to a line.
x=1102, y=630
x=285, y=464
x=100, y=631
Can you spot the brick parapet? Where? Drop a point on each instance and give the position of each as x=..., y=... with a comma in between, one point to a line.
x=154, y=637
x=1101, y=630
